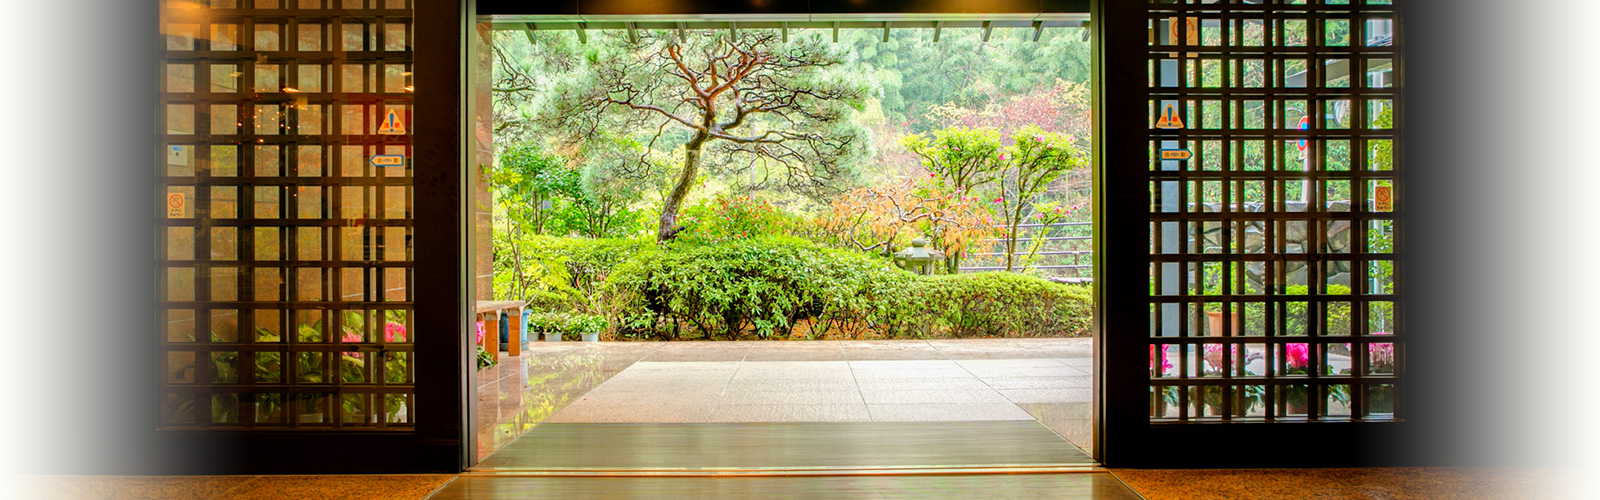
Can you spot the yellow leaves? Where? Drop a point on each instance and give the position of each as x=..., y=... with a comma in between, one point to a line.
x=880, y=215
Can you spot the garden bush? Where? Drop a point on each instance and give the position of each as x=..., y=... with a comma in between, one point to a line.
x=992, y=304
x=766, y=287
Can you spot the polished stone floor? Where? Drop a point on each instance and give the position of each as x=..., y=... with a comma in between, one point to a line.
x=786, y=447
x=774, y=381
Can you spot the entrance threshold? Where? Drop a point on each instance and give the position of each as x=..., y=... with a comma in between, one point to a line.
x=787, y=449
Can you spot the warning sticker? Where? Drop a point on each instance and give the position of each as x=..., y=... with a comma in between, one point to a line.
x=392, y=125
x=1169, y=118
x=175, y=203
x=1383, y=199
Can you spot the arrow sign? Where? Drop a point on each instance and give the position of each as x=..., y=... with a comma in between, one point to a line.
x=388, y=161
x=392, y=124
x=1169, y=118
x=1176, y=154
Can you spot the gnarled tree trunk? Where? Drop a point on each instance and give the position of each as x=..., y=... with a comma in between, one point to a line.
x=674, y=202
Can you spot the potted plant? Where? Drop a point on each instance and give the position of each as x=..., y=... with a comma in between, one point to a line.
x=587, y=326
x=1298, y=362
x=1380, y=361
x=1244, y=398
x=1168, y=395
x=549, y=324
x=485, y=359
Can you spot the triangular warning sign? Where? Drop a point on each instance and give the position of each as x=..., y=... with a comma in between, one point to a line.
x=1169, y=118
x=392, y=125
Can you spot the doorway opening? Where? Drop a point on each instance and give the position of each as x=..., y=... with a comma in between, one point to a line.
x=792, y=224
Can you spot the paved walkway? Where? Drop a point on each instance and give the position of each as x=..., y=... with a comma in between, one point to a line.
x=779, y=381
x=830, y=391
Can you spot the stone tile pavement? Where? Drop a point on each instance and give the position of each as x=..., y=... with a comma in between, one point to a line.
x=782, y=381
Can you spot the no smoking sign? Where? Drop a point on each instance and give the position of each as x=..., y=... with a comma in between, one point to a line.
x=175, y=203
x=1383, y=199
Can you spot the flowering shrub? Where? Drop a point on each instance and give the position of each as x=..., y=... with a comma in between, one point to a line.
x=728, y=217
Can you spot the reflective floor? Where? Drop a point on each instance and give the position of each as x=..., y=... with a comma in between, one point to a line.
x=1096, y=486
x=778, y=447
x=1043, y=380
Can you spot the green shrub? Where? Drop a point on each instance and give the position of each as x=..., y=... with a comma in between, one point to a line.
x=726, y=217
x=992, y=304
x=767, y=286
x=579, y=325
x=761, y=285
x=565, y=274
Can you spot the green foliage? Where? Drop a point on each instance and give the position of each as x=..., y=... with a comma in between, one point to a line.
x=992, y=305
x=729, y=217
x=1029, y=167
x=310, y=368
x=768, y=286
x=1337, y=316
x=759, y=284
x=485, y=359
x=963, y=159
x=568, y=325
x=526, y=179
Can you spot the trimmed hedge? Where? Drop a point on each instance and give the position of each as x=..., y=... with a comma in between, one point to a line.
x=768, y=287
x=772, y=287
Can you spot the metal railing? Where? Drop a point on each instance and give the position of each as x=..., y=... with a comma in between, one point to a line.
x=1065, y=254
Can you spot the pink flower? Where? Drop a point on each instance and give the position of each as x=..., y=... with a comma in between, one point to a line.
x=1298, y=355
x=1381, y=355
x=1165, y=363
x=393, y=330
x=997, y=200
x=1002, y=157
x=1038, y=138
x=1213, y=356
x=350, y=336
x=480, y=332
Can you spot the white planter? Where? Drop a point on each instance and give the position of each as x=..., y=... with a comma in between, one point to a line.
x=591, y=337
x=552, y=337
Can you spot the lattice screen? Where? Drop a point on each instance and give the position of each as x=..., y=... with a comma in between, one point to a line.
x=287, y=251
x=1272, y=245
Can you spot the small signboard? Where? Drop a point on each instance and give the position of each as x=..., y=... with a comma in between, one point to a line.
x=388, y=160
x=392, y=125
x=1169, y=118
x=1191, y=31
x=1383, y=199
x=1305, y=124
x=1176, y=154
x=178, y=155
x=175, y=204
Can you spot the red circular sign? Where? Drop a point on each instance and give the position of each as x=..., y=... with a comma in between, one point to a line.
x=175, y=200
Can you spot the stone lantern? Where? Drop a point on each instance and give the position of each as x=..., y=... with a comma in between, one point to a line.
x=918, y=257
